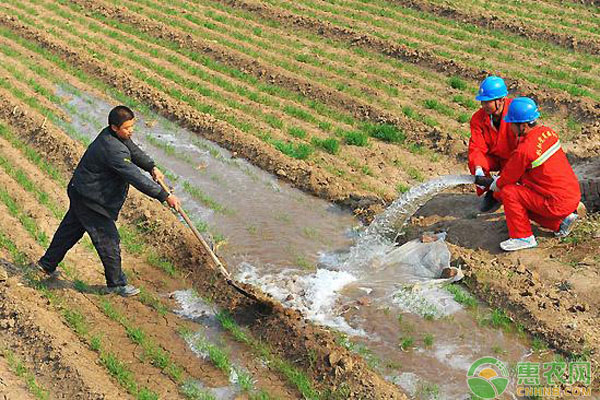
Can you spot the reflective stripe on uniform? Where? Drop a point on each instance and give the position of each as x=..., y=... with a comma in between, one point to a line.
x=547, y=154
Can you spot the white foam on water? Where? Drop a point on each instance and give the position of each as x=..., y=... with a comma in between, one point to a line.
x=315, y=295
x=453, y=356
x=192, y=306
x=407, y=381
x=221, y=393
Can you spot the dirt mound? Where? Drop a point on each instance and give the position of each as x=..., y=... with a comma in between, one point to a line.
x=62, y=365
x=529, y=285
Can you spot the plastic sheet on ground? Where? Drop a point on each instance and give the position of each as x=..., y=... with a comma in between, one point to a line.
x=417, y=270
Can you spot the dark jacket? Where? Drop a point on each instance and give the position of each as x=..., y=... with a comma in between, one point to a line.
x=107, y=168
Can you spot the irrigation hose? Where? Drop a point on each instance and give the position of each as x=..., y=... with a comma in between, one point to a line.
x=206, y=247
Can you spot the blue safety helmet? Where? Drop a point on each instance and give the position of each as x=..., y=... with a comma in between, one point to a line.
x=492, y=88
x=522, y=109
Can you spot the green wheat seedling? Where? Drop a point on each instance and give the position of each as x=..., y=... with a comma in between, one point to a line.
x=28, y=223
x=211, y=65
x=203, y=198
x=454, y=29
x=358, y=348
x=20, y=176
x=272, y=120
x=19, y=368
x=295, y=376
x=330, y=145
x=219, y=357
x=77, y=322
x=461, y=296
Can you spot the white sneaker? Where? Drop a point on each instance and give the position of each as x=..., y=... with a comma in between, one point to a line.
x=518, y=244
x=567, y=225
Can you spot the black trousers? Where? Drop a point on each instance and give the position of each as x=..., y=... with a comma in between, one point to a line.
x=103, y=232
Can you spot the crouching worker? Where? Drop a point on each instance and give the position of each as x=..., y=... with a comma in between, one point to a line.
x=491, y=142
x=97, y=192
x=537, y=182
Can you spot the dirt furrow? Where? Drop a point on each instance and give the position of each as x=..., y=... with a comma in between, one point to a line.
x=67, y=79
x=61, y=364
x=11, y=385
x=56, y=194
x=162, y=329
x=338, y=162
x=289, y=334
x=312, y=180
x=264, y=72
x=492, y=22
x=118, y=343
x=584, y=108
x=24, y=89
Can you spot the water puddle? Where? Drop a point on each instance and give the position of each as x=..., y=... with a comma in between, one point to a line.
x=208, y=340
x=315, y=257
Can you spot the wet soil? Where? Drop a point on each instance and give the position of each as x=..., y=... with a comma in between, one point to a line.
x=525, y=284
x=285, y=330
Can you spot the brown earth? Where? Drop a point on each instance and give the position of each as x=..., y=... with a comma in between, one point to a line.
x=55, y=355
x=266, y=73
x=285, y=330
x=11, y=386
x=493, y=22
x=380, y=156
x=525, y=284
x=585, y=109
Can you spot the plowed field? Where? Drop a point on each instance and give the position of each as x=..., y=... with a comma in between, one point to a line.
x=352, y=101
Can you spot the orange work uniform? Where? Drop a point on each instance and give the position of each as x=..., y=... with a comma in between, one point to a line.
x=537, y=183
x=489, y=147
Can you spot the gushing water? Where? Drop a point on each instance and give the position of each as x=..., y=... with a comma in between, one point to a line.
x=388, y=223
x=379, y=237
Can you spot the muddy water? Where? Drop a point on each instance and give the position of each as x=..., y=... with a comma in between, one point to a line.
x=313, y=256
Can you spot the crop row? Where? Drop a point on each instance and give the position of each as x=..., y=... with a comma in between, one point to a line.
x=300, y=151
x=354, y=72
x=151, y=350
x=384, y=132
x=573, y=19
x=549, y=66
x=438, y=105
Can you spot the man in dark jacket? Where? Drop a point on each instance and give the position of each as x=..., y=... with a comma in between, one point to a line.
x=97, y=192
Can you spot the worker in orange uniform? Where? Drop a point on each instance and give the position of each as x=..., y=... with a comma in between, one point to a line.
x=491, y=141
x=537, y=182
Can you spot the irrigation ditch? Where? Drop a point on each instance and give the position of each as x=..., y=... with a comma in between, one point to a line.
x=548, y=292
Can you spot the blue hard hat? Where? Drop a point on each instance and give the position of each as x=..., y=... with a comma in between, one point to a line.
x=492, y=88
x=522, y=109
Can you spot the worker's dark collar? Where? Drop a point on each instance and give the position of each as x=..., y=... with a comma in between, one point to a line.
x=113, y=133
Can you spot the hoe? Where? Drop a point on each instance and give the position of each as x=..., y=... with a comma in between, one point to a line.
x=213, y=256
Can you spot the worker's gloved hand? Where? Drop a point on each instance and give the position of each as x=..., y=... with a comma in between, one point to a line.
x=173, y=202
x=494, y=186
x=157, y=175
x=479, y=173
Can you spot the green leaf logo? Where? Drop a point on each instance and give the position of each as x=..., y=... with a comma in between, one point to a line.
x=487, y=378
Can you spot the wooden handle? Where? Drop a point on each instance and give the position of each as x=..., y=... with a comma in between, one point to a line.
x=198, y=235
